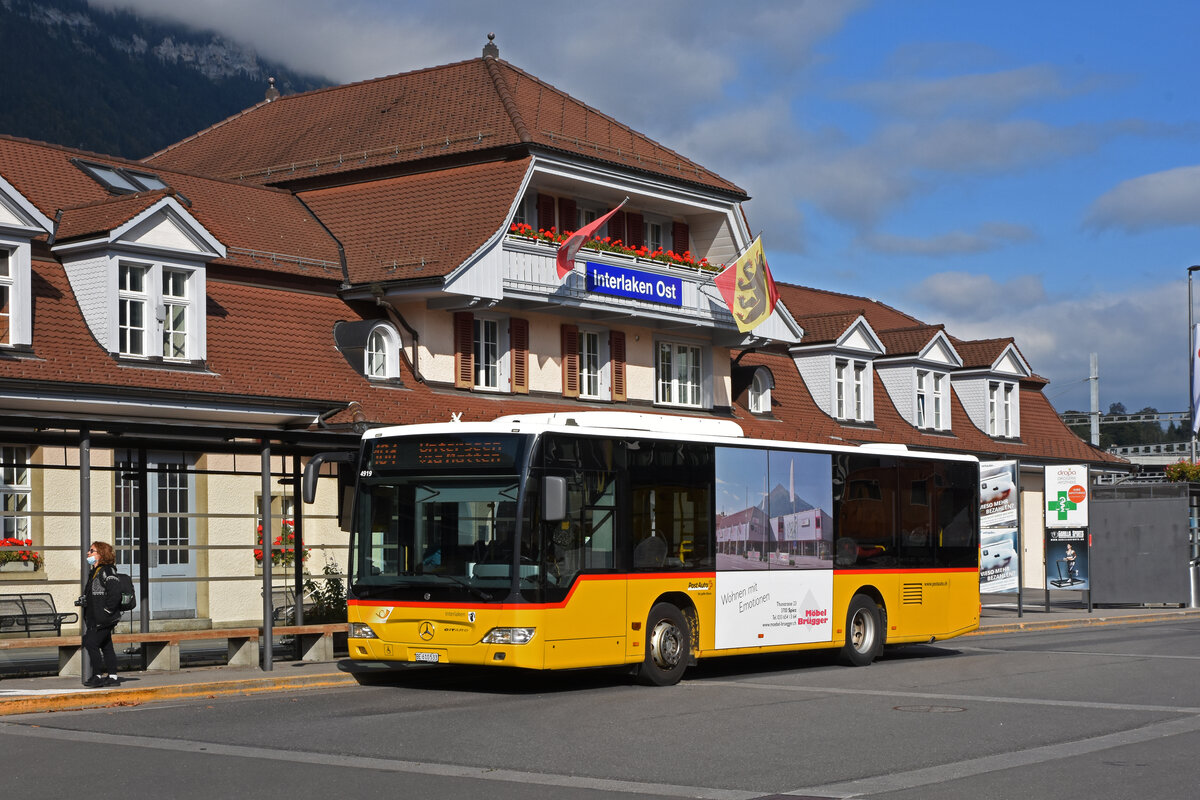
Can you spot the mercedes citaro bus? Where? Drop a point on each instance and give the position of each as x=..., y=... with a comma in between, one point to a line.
x=570, y=540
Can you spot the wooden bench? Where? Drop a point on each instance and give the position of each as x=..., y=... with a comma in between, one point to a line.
x=161, y=648
x=316, y=641
x=32, y=613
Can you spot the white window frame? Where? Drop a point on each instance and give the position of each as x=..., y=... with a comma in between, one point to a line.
x=1002, y=409
x=496, y=373
x=133, y=302
x=931, y=400
x=526, y=211
x=16, y=492
x=664, y=233
x=8, y=294
x=852, y=389
x=172, y=324
x=381, y=354
x=16, y=282
x=759, y=399
x=670, y=390
x=595, y=383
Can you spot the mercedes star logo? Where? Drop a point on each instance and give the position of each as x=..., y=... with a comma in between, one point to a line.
x=425, y=629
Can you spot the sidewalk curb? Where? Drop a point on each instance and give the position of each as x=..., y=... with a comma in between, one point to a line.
x=115, y=698
x=1082, y=622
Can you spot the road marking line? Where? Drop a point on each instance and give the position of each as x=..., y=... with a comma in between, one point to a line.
x=384, y=764
x=927, y=776
x=960, y=698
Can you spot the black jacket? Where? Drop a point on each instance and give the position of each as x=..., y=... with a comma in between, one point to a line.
x=103, y=597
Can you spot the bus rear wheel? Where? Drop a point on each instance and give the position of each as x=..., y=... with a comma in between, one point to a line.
x=864, y=632
x=668, y=646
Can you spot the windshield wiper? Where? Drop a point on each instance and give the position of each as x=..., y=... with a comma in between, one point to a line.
x=480, y=593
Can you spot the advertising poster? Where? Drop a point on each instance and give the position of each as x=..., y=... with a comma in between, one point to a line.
x=999, y=562
x=997, y=493
x=1067, y=496
x=759, y=609
x=1067, y=558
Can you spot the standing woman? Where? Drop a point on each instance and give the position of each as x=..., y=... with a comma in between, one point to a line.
x=101, y=613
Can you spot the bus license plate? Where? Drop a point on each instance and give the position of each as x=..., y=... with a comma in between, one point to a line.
x=430, y=657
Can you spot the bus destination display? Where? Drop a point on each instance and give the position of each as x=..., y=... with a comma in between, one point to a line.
x=445, y=453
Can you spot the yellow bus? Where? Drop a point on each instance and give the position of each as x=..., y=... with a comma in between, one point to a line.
x=572, y=540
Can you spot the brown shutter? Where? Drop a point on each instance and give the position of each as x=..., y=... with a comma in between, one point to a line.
x=464, y=350
x=518, y=334
x=567, y=216
x=570, y=361
x=545, y=209
x=616, y=351
x=635, y=232
x=679, y=238
x=616, y=226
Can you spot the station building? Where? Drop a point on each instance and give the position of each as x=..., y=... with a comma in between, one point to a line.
x=180, y=334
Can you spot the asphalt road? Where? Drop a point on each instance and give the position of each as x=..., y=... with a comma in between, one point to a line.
x=1090, y=713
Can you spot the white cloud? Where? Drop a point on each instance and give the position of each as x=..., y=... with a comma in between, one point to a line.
x=986, y=93
x=1140, y=336
x=1160, y=200
x=987, y=237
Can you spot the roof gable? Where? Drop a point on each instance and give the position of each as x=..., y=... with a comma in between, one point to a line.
x=145, y=222
x=17, y=214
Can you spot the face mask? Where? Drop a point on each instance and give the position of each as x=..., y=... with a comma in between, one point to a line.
x=92, y=560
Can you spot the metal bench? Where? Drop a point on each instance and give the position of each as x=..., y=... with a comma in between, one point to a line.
x=32, y=613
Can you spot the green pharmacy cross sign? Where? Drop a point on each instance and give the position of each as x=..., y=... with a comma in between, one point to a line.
x=1062, y=505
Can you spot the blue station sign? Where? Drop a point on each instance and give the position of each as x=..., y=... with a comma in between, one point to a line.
x=634, y=284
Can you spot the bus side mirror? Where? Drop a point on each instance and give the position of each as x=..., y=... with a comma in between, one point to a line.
x=312, y=471
x=554, y=498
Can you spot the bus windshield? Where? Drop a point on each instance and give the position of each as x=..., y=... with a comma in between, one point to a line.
x=437, y=529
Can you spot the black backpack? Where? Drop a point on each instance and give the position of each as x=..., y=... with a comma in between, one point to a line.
x=128, y=595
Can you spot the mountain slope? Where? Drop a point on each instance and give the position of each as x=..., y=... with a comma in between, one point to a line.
x=115, y=83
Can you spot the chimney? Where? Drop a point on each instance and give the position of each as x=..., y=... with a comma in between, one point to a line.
x=490, y=48
x=272, y=92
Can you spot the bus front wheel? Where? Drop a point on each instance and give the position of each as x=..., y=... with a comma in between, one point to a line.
x=668, y=643
x=864, y=632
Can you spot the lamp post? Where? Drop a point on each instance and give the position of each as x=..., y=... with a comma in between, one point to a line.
x=1191, y=370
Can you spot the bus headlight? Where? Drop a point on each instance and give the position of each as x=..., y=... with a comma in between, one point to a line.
x=509, y=636
x=361, y=630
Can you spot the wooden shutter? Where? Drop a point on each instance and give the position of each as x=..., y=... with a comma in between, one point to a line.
x=679, y=238
x=567, y=215
x=545, y=209
x=518, y=336
x=635, y=232
x=616, y=352
x=570, y=361
x=616, y=226
x=464, y=350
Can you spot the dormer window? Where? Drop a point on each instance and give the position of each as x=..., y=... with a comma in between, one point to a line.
x=932, y=399
x=759, y=397
x=1001, y=407
x=382, y=354
x=156, y=309
x=851, y=382
x=121, y=180
x=6, y=296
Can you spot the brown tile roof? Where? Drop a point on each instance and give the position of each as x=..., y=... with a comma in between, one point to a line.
x=265, y=229
x=103, y=216
x=826, y=328
x=908, y=341
x=418, y=226
x=796, y=417
x=982, y=353
x=803, y=301
x=470, y=106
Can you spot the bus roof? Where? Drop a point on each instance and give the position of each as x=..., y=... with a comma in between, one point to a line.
x=655, y=425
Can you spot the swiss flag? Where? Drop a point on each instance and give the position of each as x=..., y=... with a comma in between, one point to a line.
x=567, y=250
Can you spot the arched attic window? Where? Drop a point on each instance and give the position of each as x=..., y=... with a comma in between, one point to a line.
x=758, y=398
x=382, y=353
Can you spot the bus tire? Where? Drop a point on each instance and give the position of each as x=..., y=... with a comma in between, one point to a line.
x=864, y=632
x=668, y=646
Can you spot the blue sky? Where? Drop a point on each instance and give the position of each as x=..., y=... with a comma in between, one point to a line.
x=1018, y=168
